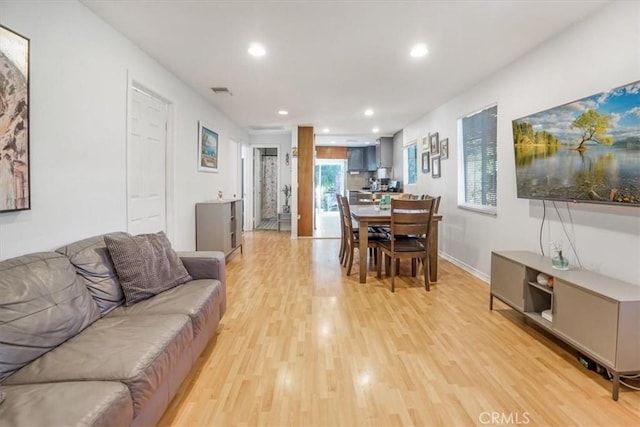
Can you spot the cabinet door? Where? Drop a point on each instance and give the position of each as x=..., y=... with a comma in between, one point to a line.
x=586, y=320
x=384, y=152
x=355, y=159
x=372, y=164
x=507, y=281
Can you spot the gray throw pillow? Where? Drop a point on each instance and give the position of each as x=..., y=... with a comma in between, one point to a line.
x=146, y=265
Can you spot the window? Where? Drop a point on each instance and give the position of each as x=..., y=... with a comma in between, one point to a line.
x=478, y=167
x=411, y=162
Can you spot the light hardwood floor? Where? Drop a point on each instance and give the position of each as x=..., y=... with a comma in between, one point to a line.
x=303, y=345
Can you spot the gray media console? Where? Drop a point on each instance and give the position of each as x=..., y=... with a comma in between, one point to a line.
x=595, y=314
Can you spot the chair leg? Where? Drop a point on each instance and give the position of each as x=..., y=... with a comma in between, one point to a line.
x=379, y=261
x=393, y=276
x=425, y=268
x=413, y=267
x=387, y=266
x=350, y=260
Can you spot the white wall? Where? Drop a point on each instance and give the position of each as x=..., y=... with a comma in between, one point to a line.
x=594, y=56
x=80, y=68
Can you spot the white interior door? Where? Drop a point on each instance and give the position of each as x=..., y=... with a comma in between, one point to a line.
x=146, y=164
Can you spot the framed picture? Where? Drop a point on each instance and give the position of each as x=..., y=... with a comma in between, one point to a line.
x=425, y=143
x=15, y=192
x=444, y=148
x=435, y=167
x=207, y=149
x=425, y=162
x=434, y=144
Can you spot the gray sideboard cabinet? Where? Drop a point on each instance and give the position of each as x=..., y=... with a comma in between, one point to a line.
x=219, y=226
x=595, y=314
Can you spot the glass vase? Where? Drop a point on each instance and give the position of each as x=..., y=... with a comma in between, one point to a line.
x=560, y=263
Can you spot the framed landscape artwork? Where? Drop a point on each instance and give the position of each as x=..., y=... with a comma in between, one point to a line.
x=14, y=122
x=207, y=149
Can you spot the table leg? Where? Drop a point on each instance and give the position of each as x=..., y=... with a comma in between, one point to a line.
x=433, y=252
x=363, y=250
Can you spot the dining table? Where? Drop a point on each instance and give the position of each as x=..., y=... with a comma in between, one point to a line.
x=372, y=215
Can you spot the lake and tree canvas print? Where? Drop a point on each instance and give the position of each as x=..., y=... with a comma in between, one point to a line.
x=587, y=150
x=14, y=121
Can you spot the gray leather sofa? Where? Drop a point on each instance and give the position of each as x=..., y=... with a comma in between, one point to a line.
x=72, y=354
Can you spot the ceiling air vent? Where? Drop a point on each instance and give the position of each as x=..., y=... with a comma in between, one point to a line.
x=221, y=91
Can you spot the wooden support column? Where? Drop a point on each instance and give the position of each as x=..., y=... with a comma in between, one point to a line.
x=306, y=149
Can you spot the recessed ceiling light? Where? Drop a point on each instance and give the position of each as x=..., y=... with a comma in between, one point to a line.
x=366, y=143
x=333, y=142
x=256, y=50
x=419, y=50
x=368, y=112
x=283, y=112
x=375, y=130
x=325, y=130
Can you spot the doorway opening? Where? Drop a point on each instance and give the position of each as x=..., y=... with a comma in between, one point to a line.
x=329, y=177
x=266, y=175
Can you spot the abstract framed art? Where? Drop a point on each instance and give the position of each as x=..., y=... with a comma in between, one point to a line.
x=207, y=149
x=15, y=192
x=434, y=144
x=444, y=148
x=425, y=162
x=435, y=167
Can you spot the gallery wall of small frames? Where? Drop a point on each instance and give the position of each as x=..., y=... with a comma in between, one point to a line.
x=435, y=150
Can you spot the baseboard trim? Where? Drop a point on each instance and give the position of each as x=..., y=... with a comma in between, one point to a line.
x=466, y=267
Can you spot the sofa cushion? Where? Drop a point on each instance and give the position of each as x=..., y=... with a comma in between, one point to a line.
x=146, y=264
x=86, y=403
x=91, y=259
x=197, y=299
x=42, y=304
x=138, y=351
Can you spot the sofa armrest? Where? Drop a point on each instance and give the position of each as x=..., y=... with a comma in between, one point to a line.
x=204, y=264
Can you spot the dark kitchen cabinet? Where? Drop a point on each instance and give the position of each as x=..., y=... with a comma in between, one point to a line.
x=370, y=158
x=355, y=159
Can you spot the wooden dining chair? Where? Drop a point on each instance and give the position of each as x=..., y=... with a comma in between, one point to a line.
x=408, y=237
x=364, y=199
x=342, y=250
x=351, y=237
x=436, y=207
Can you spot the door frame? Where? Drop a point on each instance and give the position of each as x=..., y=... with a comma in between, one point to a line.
x=169, y=152
x=251, y=180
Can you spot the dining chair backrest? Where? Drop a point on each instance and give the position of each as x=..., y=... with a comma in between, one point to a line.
x=339, y=200
x=345, y=216
x=411, y=218
x=436, y=206
x=414, y=197
x=364, y=198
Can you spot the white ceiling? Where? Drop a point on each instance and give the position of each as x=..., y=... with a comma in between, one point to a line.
x=328, y=61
